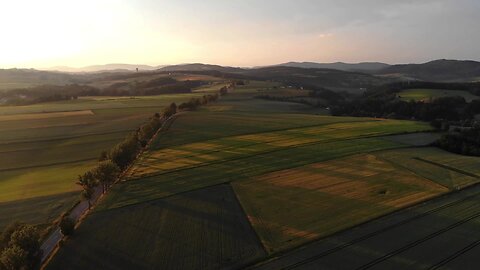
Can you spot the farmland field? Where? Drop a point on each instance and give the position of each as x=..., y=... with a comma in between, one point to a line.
x=44, y=147
x=447, y=169
x=235, y=157
x=442, y=233
x=298, y=176
x=321, y=198
x=428, y=94
x=203, y=229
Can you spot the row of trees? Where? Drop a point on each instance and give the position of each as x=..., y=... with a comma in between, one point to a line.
x=196, y=102
x=121, y=156
x=19, y=247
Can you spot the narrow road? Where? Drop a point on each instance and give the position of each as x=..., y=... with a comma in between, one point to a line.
x=51, y=242
x=49, y=245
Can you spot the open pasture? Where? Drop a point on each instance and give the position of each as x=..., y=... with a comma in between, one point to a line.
x=429, y=94
x=203, y=229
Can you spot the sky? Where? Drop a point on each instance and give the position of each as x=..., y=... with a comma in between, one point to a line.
x=48, y=33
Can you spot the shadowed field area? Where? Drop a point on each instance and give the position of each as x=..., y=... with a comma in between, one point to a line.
x=202, y=229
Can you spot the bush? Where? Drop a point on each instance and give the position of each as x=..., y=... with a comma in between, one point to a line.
x=67, y=226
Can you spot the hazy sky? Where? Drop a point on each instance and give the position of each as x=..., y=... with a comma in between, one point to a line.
x=49, y=33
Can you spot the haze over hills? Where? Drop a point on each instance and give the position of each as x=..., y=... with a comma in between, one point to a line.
x=106, y=67
x=200, y=67
x=317, y=74
x=364, y=66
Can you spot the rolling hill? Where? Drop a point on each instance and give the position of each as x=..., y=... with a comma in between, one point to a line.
x=107, y=67
x=200, y=67
x=362, y=67
x=438, y=70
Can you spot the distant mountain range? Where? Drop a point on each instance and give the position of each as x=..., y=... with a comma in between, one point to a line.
x=200, y=67
x=438, y=70
x=362, y=67
x=107, y=67
x=334, y=75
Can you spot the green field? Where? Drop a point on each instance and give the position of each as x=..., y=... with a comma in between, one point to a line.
x=447, y=169
x=429, y=94
x=44, y=147
x=298, y=176
x=163, y=172
x=203, y=229
x=322, y=198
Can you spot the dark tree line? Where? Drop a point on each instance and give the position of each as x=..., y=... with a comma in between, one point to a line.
x=473, y=87
x=389, y=106
x=451, y=114
x=193, y=103
x=318, y=97
x=464, y=141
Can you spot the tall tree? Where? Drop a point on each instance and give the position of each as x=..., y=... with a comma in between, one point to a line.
x=106, y=172
x=67, y=225
x=88, y=183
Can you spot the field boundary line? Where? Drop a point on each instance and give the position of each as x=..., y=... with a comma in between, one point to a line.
x=244, y=213
x=447, y=167
x=149, y=201
x=395, y=164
